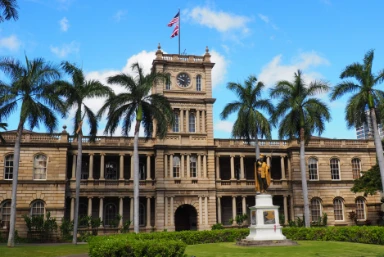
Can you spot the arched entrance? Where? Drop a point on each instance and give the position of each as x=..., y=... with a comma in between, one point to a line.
x=185, y=218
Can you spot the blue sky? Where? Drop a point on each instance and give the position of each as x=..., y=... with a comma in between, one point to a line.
x=269, y=39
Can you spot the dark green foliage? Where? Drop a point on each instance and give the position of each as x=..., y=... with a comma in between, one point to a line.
x=40, y=228
x=322, y=221
x=369, y=183
x=217, y=226
x=356, y=234
x=66, y=227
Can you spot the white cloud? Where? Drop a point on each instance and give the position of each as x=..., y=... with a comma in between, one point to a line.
x=220, y=69
x=66, y=49
x=264, y=18
x=64, y=24
x=11, y=43
x=64, y=4
x=119, y=15
x=220, y=20
x=225, y=126
x=275, y=71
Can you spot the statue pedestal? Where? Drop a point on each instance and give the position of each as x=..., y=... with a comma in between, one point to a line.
x=265, y=224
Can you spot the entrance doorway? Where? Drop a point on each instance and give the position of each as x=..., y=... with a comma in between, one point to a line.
x=185, y=218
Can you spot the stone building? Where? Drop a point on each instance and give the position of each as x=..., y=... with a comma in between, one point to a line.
x=189, y=180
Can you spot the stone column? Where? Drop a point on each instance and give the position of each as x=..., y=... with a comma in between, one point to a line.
x=101, y=209
x=203, y=121
x=166, y=166
x=148, y=212
x=188, y=166
x=219, y=209
x=292, y=209
x=89, y=213
x=72, y=208
x=181, y=120
x=171, y=165
x=206, y=209
x=232, y=167
x=148, y=167
x=282, y=167
x=217, y=167
x=198, y=166
x=132, y=166
x=205, y=165
x=187, y=120
x=197, y=121
x=166, y=211
x=172, y=217
x=242, y=167
x=182, y=166
x=102, y=166
x=200, y=212
x=269, y=161
x=121, y=211
x=121, y=176
x=90, y=177
x=285, y=210
x=74, y=167
x=234, y=210
x=131, y=206
x=243, y=204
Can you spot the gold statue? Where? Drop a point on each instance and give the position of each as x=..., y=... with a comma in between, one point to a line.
x=262, y=176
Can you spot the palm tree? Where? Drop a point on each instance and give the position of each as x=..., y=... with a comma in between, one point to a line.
x=9, y=8
x=3, y=126
x=366, y=98
x=137, y=102
x=76, y=93
x=250, y=122
x=300, y=116
x=30, y=89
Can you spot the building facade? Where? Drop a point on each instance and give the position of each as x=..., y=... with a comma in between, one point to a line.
x=188, y=180
x=366, y=131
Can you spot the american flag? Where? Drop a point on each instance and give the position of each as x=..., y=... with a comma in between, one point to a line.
x=175, y=31
x=174, y=20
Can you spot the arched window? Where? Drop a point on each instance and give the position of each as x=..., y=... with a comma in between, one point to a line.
x=8, y=167
x=141, y=214
x=356, y=168
x=84, y=170
x=110, y=214
x=176, y=125
x=192, y=122
x=37, y=208
x=360, y=209
x=168, y=84
x=193, y=166
x=176, y=166
x=5, y=213
x=312, y=168
x=40, y=167
x=111, y=170
x=198, y=83
x=335, y=169
x=338, y=209
x=315, y=209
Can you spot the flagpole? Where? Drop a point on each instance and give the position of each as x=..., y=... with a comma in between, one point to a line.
x=179, y=29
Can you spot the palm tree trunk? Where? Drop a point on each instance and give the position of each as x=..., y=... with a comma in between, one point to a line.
x=257, y=147
x=304, y=178
x=378, y=145
x=16, y=160
x=136, y=178
x=78, y=178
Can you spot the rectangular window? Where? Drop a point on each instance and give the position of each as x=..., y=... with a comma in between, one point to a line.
x=192, y=122
x=360, y=209
x=356, y=168
x=198, y=83
x=40, y=167
x=193, y=167
x=338, y=209
x=335, y=171
x=312, y=167
x=315, y=210
x=176, y=124
x=8, y=167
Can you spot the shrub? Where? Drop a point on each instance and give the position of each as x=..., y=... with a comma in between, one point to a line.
x=217, y=226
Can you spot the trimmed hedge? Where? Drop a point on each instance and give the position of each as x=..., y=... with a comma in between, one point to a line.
x=356, y=234
x=158, y=244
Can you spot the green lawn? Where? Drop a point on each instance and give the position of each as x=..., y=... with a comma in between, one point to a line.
x=42, y=250
x=304, y=249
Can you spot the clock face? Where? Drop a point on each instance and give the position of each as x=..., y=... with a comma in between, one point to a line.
x=183, y=80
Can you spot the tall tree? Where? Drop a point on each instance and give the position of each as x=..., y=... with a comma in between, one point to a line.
x=365, y=98
x=250, y=123
x=3, y=126
x=32, y=91
x=76, y=93
x=300, y=116
x=137, y=103
x=9, y=10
